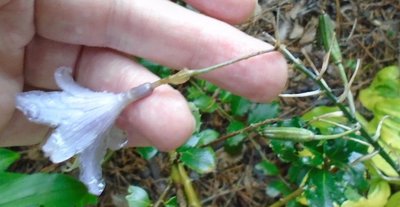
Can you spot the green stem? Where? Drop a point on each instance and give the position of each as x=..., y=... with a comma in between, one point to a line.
x=180, y=177
x=350, y=116
x=288, y=198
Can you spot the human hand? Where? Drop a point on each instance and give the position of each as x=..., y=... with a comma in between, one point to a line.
x=97, y=37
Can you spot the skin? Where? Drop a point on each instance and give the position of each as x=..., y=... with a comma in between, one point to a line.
x=98, y=39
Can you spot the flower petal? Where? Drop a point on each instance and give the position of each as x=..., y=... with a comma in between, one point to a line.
x=76, y=134
x=64, y=80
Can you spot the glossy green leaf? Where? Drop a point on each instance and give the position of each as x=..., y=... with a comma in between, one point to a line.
x=320, y=189
x=267, y=168
x=262, y=112
x=137, y=197
x=7, y=157
x=42, y=190
x=172, y=202
x=201, y=160
x=147, y=152
x=234, y=145
x=277, y=188
x=285, y=150
x=206, y=136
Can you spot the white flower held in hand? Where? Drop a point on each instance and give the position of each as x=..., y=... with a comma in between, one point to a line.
x=82, y=120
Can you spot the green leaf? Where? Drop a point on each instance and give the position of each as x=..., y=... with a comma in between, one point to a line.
x=239, y=105
x=234, y=145
x=7, y=157
x=277, y=188
x=172, y=202
x=201, y=160
x=147, y=152
x=320, y=188
x=207, y=136
x=42, y=190
x=285, y=150
x=394, y=200
x=262, y=112
x=267, y=168
x=202, y=138
x=137, y=197
x=205, y=103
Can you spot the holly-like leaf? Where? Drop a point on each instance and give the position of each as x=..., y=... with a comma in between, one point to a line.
x=201, y=160
x=147, y=152
x=320, y=188
x=7, y=157
x=267, y=168
x=137, y=197
x=43, y=190
x=262, y=112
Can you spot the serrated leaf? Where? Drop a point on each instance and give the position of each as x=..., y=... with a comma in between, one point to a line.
x=7, y=157
x=172, y=202
x=147, y=152
x=137, y=197
x=201, y=160
x=239, y=105
x=277, y=188
x=43, y=190
x=262, y=112
x=267, y=168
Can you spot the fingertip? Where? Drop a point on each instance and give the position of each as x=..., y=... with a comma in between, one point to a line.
x=275, y=78
x=162, y=120
x=230, y=11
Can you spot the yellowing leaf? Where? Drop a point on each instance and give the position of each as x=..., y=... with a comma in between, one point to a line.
x=377, y=196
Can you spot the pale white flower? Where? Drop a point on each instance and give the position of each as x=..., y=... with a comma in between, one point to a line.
x=82, y=119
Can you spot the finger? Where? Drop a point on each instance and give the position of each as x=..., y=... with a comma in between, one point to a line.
x=168, y=34
x=43, y=57
x=19, y=132
x=16, y=29
x=162, y=119
x=231, y=11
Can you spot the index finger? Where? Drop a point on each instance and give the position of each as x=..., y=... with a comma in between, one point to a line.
x=167, y=34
